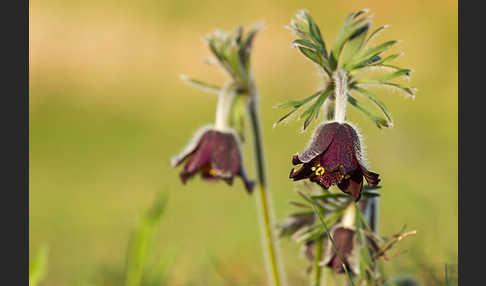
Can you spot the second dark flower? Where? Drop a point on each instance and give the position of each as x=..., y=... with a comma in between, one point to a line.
x=215, y=155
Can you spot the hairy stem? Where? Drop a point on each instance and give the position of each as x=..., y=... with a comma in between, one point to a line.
x=340, y=79
x=349, y=216
x=264, y=202
x=225, y=99
x=341, y=92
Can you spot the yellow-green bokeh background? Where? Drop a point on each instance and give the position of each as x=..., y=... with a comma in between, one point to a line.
x=107, y=110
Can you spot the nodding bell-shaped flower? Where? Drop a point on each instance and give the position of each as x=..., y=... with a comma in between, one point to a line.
x=334, y=157
x=215, y=154
x=296, y=222
x=347, y=244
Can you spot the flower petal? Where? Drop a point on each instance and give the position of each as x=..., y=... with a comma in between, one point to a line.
x=303, y=172
x=356, y=139
x=190, y=148
x=346, y=243
x=199, y=159
x=225, y=156
x=249, y=185
x=229, y=180
x=371, y=177
x=353, y=185
x=341, y=151
x=320, y=141
x=328, y=179
x=205, y=175
x=309, y=250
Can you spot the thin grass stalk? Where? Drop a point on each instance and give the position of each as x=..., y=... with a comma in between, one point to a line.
x=274, y=265
x=348, y=274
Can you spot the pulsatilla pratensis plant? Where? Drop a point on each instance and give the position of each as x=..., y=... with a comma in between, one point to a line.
x=351, y=245
x=335, y=156
x=215, y=151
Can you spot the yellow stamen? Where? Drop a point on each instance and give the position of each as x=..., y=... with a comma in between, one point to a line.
x=318, y=169
x=212, y=172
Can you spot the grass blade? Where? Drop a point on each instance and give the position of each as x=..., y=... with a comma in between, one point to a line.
x=38, y=266
x=142, y=242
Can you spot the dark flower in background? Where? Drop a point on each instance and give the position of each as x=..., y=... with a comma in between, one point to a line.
x=308, y=247
x=348, y=246
x=215, y=155
x=334, y=157
x=296, y=222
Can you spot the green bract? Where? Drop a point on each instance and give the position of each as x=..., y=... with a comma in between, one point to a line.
x=352, y=53
x=231, y=51
x=299, y=226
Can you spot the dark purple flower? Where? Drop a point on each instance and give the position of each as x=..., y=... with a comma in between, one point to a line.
x=215, y=155
x=334, y=157
x=296, y=222
x=308, y=249
x=347, y=244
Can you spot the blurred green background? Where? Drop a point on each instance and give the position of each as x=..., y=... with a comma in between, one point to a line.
x=107, y=111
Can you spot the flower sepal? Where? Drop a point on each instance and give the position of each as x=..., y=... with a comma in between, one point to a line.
x=216, y=155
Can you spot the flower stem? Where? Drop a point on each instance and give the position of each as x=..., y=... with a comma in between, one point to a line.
x=373, y=222
x=373, y=215
x=225, y=99
x=317, y=260
x=349, y=216
x=264, y=202
x=341, y=92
